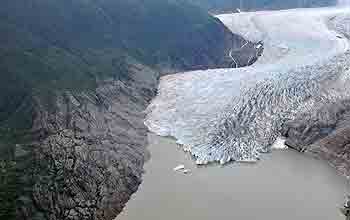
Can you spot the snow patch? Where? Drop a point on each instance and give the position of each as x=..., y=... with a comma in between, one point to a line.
x=279, y=144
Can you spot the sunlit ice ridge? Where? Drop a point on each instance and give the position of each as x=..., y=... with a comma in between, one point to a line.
x=222, y=115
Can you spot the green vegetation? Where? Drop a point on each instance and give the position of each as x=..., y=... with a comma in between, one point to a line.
x=52, y=46
x=49, y=47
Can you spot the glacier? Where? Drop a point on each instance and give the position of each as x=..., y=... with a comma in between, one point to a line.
x=222, y=115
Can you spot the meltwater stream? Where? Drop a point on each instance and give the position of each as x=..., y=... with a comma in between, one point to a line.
x=285, y=185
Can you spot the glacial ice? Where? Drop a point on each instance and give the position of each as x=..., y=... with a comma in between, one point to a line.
x=227, y=115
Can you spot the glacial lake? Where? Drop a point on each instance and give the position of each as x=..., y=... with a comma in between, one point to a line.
x=283, y=185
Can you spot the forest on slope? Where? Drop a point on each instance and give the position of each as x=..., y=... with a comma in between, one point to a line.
x=67, y=44
x=76, y=76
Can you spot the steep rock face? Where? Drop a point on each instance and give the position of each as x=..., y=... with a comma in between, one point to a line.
x=325, y=133
x=90, y=149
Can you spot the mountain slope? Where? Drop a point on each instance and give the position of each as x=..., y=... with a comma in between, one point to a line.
x=79, y=41
x=76, y=77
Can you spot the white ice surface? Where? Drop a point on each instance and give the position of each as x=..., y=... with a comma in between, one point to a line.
x=291, y=37
x=190, y=106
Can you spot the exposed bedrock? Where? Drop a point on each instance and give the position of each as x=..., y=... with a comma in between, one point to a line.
x=86, y=165
x=324, y=132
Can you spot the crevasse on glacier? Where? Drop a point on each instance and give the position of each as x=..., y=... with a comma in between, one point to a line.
x=255, y=120
x=234, y=115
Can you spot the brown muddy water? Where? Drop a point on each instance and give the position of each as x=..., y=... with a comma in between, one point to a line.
x=284, y=185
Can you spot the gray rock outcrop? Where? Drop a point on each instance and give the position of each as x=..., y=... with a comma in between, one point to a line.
x=90, y=149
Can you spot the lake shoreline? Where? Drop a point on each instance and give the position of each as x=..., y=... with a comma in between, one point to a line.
x=281, y=181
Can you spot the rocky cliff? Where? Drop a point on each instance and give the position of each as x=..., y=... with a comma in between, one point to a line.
x=89, y=150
